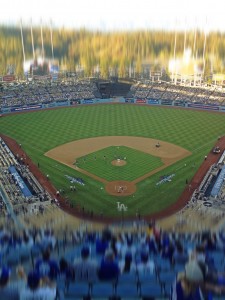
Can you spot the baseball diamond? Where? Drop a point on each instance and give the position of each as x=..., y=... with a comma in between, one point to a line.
x=184, y=137
x=67, y=153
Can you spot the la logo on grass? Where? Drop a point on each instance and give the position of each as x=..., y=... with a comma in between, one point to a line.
x=121, y=207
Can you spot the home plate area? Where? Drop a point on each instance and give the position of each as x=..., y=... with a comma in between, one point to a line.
x=120, y=188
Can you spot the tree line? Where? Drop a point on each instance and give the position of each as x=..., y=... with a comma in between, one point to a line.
x=119, y=53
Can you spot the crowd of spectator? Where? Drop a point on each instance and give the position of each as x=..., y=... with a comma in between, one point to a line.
x=103, y=264
x=47, y=92
x=11, y=193
x=203, y=193
x=186, y=94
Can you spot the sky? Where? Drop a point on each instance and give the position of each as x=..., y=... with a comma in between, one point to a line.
x=117, y=14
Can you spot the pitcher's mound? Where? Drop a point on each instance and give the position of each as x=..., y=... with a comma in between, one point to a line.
x=118, y=162
x=120, y=188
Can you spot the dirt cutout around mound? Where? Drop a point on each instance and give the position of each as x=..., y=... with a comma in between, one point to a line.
x=118, y=162
x=68, y=153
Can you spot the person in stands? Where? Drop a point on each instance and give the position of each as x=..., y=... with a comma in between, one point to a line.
x=188, y=284
x=127, y=265
x=37, y=288
x=7, y=291
x=109, y=269
x=84, y=267
x=146, y=265
x=47, y=267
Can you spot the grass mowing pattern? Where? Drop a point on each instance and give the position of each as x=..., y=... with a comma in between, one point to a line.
x=138, y=163
x=41, y=131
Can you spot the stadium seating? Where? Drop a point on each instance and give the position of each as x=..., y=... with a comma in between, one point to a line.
x=15, y=250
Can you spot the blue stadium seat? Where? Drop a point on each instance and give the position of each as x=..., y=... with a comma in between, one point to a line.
x=128, y=278
x=13, y=258
x=162, y=264
x=167, y=289
x=178, y=268
x=77, y=289
x=147, y=277
x=102, y=289
x=35, y=251
x=167, y=277
x=151, y=290
x=25, y=254
x=127, y=290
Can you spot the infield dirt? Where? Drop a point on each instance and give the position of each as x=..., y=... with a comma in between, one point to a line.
x=69, y=152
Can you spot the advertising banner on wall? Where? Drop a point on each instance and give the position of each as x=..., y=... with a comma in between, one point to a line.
x=166, y=102
x=179, y=103
x=74, y=102
x=108, y=100
x=141, y=101
x=26, y=108
x=203, y=106
x=88, y=101
x=152, y=101
x=129, y=100
x=8, y=78
x=62, y=103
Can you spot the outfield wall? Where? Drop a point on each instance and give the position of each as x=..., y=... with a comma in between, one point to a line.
x=75, y=102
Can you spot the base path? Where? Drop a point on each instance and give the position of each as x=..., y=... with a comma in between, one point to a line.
x=68, y=153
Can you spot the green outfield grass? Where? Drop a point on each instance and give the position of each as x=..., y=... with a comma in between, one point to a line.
x=38, y=132
x=138, y=163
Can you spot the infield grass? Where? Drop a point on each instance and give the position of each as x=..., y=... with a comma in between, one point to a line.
x=137, y=164
x=38, y=132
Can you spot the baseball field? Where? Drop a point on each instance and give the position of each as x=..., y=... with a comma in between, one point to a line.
x=97, y=156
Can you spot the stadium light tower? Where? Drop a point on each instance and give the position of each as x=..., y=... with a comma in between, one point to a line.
x=21, y=31
x=51, y=40
x=194, y=54
x=185, y=36
x=194, y=45
x=174, y=54
x=32, y=38
x=203, y=55
x=42, y=42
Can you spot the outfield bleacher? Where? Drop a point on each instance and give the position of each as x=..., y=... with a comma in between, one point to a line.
x=163, y=90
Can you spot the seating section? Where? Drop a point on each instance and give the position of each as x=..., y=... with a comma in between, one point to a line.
x=12, y=198
x=126, y=263
x=150, y=275
x=180, y=94
x=73, y=90
x=46, y=92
